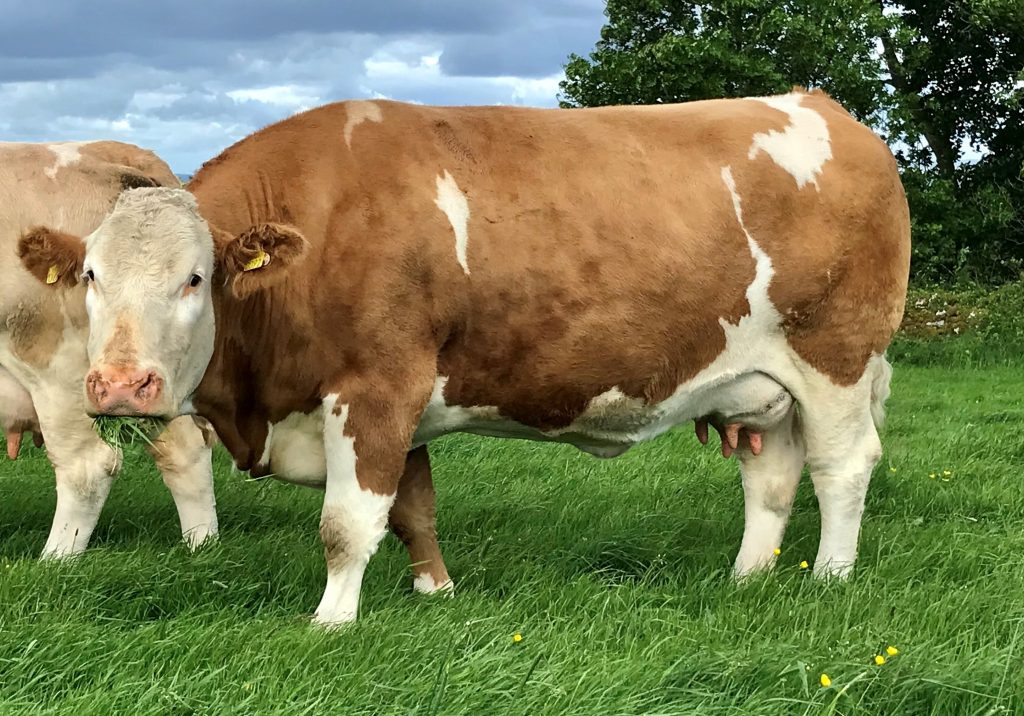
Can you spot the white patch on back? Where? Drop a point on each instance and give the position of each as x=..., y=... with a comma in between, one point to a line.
x=359, y=111
x=803, y=148
x=67, y=153
x=452, y=202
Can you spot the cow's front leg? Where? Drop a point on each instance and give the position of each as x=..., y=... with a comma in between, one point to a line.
x=366, y=440
x=84, y=472
x=183, y=454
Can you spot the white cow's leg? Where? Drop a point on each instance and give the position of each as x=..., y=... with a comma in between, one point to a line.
x=842, y=450
x=84, y=468
x=364, y=465
x=184, y=457
x=769, y=486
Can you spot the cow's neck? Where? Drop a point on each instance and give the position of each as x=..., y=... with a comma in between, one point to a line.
x=250, y=381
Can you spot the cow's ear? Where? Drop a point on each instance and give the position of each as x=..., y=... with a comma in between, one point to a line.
x=259, y=257
x=53, y=257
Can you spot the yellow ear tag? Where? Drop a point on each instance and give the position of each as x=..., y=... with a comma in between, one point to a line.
x=258, y=261
x=52, y=275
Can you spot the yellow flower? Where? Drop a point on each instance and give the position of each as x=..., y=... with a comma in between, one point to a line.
x=776, y=551
x=879, y=659
x=825, y=681
x=932, y=475
x=892, y=469
x=892, y=650
x=947, y=473
x=517, y=637
x=804, y=565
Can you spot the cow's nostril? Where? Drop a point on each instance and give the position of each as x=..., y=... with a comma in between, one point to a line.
x=149, y=387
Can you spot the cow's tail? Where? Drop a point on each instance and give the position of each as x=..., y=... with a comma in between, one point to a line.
x=881, y=375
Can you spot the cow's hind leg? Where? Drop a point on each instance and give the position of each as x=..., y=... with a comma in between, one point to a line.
x=842, y=450
x=770, y=480
x=412, y=521
x=183, y=455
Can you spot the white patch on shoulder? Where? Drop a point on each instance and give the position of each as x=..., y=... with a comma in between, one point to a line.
x=803, y=148
x=452, y=202
x=359, y=111
x=67, y=153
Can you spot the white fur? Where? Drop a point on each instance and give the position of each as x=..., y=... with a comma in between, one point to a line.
x=361, y=515
x=66, y=153
x=425, y=584
x=803, y=147
x=295, y=449
x=769, y=486
x=453, y=203
x=359, y=111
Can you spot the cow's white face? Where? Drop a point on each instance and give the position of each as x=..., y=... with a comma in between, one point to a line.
x=148, y=269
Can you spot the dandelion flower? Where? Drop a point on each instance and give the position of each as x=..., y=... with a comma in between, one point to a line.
x=892, y=650
x=825, y=681
x=776, y=551
x=804, y=565
x=947, y=473
x=879, y=659
x=517, y=637
x=931, y=475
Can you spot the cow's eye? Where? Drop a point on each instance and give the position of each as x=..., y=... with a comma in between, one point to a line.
x=195, y=281
x=88, y=276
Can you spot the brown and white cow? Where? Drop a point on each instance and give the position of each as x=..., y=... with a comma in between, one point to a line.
x=70, y=187
x=350, y=283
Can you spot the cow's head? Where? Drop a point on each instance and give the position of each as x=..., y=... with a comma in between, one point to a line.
x=152, y=269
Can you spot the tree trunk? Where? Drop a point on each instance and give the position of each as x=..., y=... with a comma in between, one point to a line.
x=941, y=147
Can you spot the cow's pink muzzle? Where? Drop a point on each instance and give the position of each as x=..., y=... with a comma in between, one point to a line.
x=116, y=391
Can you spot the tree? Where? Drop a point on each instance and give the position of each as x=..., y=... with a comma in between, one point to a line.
x=943, y=82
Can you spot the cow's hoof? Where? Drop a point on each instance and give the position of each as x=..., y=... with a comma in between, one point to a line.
x=425, y=584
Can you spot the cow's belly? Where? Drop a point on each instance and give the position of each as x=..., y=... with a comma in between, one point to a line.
x=612, y=423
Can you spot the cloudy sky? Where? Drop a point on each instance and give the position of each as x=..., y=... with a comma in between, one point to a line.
x=190, y=77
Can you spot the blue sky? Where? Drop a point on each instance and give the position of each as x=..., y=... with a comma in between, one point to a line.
x=187, y=78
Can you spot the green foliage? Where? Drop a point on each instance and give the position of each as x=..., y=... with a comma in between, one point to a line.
x=972, y=327
x=943, y=82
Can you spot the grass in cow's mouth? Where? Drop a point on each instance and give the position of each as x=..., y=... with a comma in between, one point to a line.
x=118, y=431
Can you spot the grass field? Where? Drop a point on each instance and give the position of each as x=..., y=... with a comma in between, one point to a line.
x=615, y=573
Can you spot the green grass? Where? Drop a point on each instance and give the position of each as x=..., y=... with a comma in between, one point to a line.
x=119, y=432
x=616, y=573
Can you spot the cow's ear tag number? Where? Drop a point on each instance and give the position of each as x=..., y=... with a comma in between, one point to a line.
x=52, y=275
x=258, y=261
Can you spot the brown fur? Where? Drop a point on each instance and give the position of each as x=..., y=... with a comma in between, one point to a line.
x=41, y=248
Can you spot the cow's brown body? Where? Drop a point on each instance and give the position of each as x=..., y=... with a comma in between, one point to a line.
x=602, y=252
